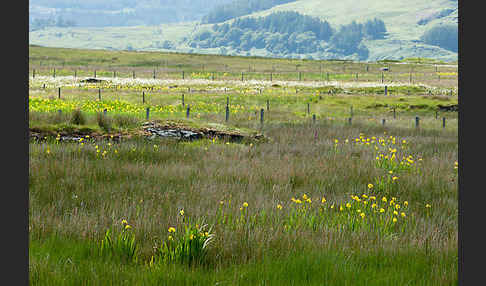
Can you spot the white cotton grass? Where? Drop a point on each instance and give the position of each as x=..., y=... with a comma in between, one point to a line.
x=71, y=81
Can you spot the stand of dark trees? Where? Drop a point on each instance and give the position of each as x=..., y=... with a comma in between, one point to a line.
x=444, y=36
x=239, y=8
x=283, y=33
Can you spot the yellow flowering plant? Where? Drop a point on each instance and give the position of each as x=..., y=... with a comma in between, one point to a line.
x=188, y=246
x=120, y=246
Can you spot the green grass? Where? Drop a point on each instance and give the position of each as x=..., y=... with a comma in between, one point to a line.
x=79, y=190
x=70, y=262
x=86, y=194
x=80, y=57
x=245, y=105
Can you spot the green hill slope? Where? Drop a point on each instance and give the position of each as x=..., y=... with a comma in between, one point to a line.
x=400, y=16
x=406, y=21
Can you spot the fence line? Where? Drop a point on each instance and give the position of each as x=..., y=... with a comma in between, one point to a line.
x=308, y=75
x=244, y=76
x=349, y=120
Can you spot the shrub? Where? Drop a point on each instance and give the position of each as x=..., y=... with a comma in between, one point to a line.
x=125, y=121
x=60, y=117
x=104, y=122
x=78, y=117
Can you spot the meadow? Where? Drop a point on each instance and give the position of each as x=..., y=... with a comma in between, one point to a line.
x=322, y=200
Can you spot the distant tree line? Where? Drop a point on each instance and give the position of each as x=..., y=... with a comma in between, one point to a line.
x=239, y=8
x=289, y=32
x=95, y=13
x=348, y=39
x=444, y=36
x=37, y=24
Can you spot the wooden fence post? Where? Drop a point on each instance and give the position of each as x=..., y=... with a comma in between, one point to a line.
x=182, y=100
x=99, y=94
x=227, y=112
x=443, y=122
x=268, y=105
x=386, y=90
x=59, y=93
x=147, y=114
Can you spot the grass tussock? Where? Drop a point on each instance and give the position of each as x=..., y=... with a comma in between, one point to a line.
x=104, y=122
x=77, y=117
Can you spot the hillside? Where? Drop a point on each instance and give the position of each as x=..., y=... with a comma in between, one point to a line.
x=91, y=13
x=406, y=22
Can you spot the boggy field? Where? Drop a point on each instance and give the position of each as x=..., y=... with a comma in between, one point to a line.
x=301, y=200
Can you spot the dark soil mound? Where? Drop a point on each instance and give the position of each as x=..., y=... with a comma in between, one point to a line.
x=92, y=80
x=454, y=107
